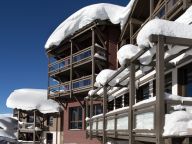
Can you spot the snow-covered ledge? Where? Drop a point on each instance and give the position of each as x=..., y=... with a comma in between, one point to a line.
x=32, y=99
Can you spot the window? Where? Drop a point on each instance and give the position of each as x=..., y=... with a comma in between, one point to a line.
x=185, y=81
x=97, y=109
x=49, y=138
x=168, y=84
x=118, y=102
x=75, y=118
x=143, y=92
x=110, y=105
x=50, y=121
x=30, y=119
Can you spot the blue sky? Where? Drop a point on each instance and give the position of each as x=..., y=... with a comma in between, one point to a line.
x=25, y=26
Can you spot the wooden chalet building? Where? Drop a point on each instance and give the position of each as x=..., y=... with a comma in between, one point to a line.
x=175, y=79
x=73, y=66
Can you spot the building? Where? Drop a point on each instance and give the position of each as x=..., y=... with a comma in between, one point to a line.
x=73, y=66
x=39, y=119
x=129, y=117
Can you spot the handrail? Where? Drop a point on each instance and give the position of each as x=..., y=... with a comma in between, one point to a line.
x=59, y=61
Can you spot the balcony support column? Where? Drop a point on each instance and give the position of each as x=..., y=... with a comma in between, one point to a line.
x=105, y=99
x=131, y=102
x=160, y=106
x=34, y=124
x=71, y=70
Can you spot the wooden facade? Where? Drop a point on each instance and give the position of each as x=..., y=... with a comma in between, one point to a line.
x=141, y=13
x=73, y=66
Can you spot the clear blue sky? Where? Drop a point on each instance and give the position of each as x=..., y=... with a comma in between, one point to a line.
x=25, y=26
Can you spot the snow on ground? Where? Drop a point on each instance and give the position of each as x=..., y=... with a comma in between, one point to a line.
x=178, y=123
x=8, y=128
x=103, y=11
x=31, y=99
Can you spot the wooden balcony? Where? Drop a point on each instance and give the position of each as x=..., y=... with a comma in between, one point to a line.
x=79, y=58
x=78, y=85
x=143, y=122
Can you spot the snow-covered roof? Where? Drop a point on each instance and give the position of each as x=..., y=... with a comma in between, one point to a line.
x=31, y=99
x=103, y=11
x=186, y=18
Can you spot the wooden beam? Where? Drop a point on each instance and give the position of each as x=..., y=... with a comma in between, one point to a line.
x=71, y=70
x=160, y=106
x=105, y=99
x=131, y=102
x=172, y=40
x=34, y=124
x=99, y=35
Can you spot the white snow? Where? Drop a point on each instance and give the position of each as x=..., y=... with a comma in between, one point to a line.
x=186, y=18
x=103, y=11
x=104, y=75
x=126, y=52
x=162, y=27
x=31, y=99
x=8, y=128
x=97, y=55
x=178, y=123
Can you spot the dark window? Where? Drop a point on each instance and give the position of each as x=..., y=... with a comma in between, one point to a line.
x=126, y=99
x=30, y=119
x=75, y=118
x=110, y=105
x=168, y=84
x=143, y=92
x=118, y=102
x=50, y=121
x=97, y=109
x=49, y=138
x=185, y=80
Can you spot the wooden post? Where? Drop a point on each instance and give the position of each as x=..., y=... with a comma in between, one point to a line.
x=49, y=62
x=151, y=8
x=71, y=70
x=160, y=106
x=91, y=115
x=131, y=32
x=34, y=125
x=18, y=116
x=86, y=113
x=104, y=113
x=131, y=102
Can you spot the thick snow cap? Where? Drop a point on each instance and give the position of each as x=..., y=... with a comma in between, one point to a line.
x=31, y=99
x=103, y=11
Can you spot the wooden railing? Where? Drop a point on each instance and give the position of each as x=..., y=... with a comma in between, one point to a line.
x=77, y=58
x=30, y=127
x=144, y=122
x=65, y=88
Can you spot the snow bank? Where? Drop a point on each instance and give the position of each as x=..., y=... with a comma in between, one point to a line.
x=8, y=123
x=127, y=52
x=186, y=18
x=178, y=123
x=8, y=136
x=8, y=128
x=103, y=11
x=31, y=99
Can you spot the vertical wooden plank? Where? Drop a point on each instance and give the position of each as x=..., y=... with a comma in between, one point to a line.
x=91, y=115
x=18, y=116
x=71, y=70
x=131, y=32
x=49, y=62
x=151, y=8
x=86, y=113
x=104, y=113
x=160, y=104
x=34, y=124
x=131, y=102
